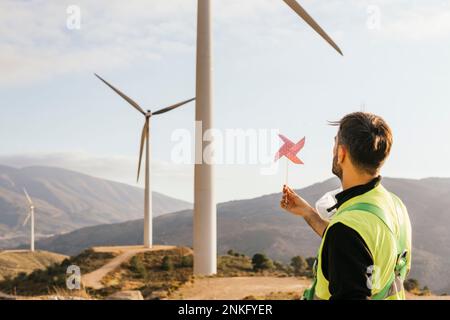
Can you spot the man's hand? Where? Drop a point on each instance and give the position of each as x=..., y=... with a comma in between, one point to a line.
x=295, y=204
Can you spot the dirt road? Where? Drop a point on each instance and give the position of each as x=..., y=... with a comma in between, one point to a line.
x=237, y=288
x=93, y=279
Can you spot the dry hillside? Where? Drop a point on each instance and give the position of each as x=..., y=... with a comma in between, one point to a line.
x=14, y=262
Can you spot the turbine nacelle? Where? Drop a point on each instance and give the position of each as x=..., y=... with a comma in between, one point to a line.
x=147, y=114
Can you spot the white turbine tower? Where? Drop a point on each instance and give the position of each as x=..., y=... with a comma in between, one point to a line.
x=30, y=215
x=205, y=229
x=145, y=139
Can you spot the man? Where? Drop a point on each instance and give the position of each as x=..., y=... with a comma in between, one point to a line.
x=366, y=245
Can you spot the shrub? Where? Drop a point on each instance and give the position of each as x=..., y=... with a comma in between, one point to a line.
x=137, y=266
x=411, y=284
x=299, y=265
x=310, y=261
x=279, y=266
x=425, y=291
x=167, y=264
x=187, y=261
x=261, y=262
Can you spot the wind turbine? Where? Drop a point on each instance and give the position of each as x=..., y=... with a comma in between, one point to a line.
x=145, y=139
x=205, y=228
x=30, y=215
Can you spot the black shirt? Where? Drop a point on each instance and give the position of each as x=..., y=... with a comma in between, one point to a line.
x=345, y=256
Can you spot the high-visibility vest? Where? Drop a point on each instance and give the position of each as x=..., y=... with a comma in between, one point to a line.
x=381, y=219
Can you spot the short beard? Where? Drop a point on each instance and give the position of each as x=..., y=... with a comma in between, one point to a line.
x=336, y=169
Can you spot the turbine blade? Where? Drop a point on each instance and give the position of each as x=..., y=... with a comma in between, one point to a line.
x=120, y=93
x=164, y=110
x=26, y=219
x=294, y=5
x=27, y=196
x=141, y=150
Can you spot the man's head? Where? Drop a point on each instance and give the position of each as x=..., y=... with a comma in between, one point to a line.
x=362, y=144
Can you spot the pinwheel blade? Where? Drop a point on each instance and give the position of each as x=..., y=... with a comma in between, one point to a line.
x=120, y=93
x=164, y=110
x=294, y=5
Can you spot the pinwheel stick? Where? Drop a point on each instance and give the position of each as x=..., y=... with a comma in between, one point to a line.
x=287, y=171
x=287, y=176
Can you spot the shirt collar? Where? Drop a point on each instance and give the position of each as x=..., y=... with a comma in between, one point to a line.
x=355, y=191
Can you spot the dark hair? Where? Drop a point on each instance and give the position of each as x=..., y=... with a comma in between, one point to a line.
x=368, y=139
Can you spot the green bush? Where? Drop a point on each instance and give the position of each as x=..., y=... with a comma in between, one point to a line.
x=310, y=261
x=261, y=262
x=279, y=266
x=167, y=264
x=425, y=291
x=299, y=265
x=411, y=284
x=137, y=267
x=187, y=261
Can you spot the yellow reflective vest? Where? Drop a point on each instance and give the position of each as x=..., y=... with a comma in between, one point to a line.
x=381, y=219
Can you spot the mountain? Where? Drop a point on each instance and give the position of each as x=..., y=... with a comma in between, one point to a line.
x=259, y=225
x=67, y=200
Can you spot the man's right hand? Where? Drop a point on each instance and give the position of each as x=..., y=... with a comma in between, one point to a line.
x=293, y=203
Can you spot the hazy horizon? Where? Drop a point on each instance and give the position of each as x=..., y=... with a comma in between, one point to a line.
x=190, y=199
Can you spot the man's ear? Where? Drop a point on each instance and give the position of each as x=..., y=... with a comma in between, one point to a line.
x=342, y=153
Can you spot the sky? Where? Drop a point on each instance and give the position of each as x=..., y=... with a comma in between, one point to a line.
x=272, y=73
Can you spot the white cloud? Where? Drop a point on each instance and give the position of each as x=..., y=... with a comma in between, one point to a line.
x=35, y=43
x=417, y=25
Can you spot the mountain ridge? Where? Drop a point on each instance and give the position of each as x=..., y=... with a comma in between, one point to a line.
x=66, y=200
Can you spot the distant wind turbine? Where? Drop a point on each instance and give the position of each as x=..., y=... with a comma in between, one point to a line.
x=145, y=139
x=30, y=215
